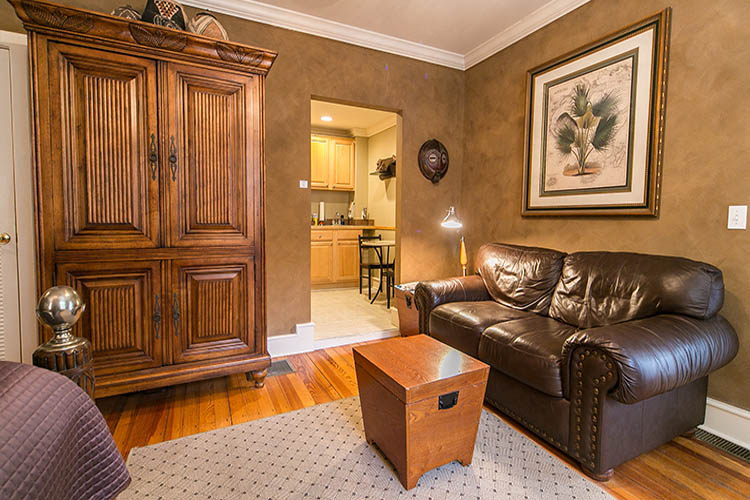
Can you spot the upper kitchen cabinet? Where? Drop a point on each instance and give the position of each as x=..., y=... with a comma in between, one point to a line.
x=331, y=163
x=319, y=167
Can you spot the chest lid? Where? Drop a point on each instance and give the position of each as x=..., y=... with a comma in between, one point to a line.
x=419, y=367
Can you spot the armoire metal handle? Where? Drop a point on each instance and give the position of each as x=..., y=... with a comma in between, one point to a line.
x=173, y=158
x=157, y=315
x=153, y=157
x=4, y=239
x=176, y=314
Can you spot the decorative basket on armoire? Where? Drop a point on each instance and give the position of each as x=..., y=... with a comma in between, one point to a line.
x=150, y=199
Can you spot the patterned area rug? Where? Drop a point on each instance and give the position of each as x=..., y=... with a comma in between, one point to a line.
x=320, y=453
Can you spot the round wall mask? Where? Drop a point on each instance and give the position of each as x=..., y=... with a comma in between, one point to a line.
x=433, y=160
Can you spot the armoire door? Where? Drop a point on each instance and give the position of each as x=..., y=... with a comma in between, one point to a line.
x=102, y=121
x=214, y=159
x=212, y=308
x=124, y=317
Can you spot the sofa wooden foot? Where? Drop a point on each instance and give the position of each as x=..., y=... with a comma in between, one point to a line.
x=599, y=476
x=259, y=376
x=689, y=433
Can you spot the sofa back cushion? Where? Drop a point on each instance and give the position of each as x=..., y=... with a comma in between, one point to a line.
x=520, y=277
x=603, y=288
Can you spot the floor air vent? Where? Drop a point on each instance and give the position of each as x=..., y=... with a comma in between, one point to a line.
x=282, y=367
x=723, y=444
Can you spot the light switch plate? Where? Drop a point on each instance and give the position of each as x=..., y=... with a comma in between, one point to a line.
x=737, y=217
x=303, y=184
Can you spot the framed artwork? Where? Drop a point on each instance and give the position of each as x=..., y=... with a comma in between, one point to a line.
x=594, y=126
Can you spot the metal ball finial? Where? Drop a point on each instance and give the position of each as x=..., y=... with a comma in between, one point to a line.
x=59, y=308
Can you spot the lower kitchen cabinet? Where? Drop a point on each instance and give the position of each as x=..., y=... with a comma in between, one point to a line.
x=334, y=257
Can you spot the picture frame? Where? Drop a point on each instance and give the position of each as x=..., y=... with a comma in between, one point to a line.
x=595, y=126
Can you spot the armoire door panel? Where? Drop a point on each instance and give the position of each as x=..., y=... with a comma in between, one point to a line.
x=123, y=313
x=213, y=308
x=104, y=125
x=213, y=141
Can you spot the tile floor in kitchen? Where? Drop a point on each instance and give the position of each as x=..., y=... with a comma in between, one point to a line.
x=340, y=312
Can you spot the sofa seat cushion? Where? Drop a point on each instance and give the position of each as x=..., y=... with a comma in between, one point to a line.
x=460, y=324
x=529, y=350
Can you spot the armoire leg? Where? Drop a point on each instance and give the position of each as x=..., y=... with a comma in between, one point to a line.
x=259, y=376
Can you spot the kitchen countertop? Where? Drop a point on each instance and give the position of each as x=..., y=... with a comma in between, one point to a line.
x=332, y=227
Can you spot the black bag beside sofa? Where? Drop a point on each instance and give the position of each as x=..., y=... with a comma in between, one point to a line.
x=603, y=355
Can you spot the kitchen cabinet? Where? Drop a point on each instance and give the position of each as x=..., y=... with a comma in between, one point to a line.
x=319, y=168
x=334, y=256
x=331, y=163
x=321, y=257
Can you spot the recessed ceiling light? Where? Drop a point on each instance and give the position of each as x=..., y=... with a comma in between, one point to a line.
x=326, y=118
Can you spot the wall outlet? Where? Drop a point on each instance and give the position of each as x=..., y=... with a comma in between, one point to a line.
x=737, y=217
x=302, y=184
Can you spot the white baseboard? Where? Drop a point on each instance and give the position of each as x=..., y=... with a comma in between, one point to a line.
x=303, y=340
x=728, y=422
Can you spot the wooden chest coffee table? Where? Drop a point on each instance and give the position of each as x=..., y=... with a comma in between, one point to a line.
x=421, y=402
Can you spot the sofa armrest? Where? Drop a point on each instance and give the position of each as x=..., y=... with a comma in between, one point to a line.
x=430, y=294
x=658, y=354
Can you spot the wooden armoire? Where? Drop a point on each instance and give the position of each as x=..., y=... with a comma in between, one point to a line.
x=149, y=193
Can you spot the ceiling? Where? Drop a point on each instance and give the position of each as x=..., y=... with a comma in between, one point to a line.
x=361, y=122
x=452, y=33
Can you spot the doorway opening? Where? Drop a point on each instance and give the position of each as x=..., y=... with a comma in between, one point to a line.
x=353, y=219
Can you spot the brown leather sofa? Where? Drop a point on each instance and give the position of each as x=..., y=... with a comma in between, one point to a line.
x=603, y=355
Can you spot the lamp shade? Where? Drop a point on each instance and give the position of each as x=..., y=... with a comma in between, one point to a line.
x=451, y=220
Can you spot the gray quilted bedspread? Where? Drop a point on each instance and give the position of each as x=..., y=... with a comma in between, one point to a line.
x=54, y=442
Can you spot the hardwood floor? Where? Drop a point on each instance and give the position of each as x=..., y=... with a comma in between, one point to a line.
x=682, y=469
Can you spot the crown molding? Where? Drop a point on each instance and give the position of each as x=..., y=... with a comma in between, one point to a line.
x=338, y=132
x=312, y=25
x=541, y=17
x=305, y=23
x=380, y=127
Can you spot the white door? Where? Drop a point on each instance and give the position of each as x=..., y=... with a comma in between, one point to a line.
x=10, y=323
x=18, y=330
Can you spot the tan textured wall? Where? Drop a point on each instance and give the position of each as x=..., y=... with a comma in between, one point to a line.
x=706, y=151
x=381, y=195
x=335, y=201
x=430, y=100
x=361, y=148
